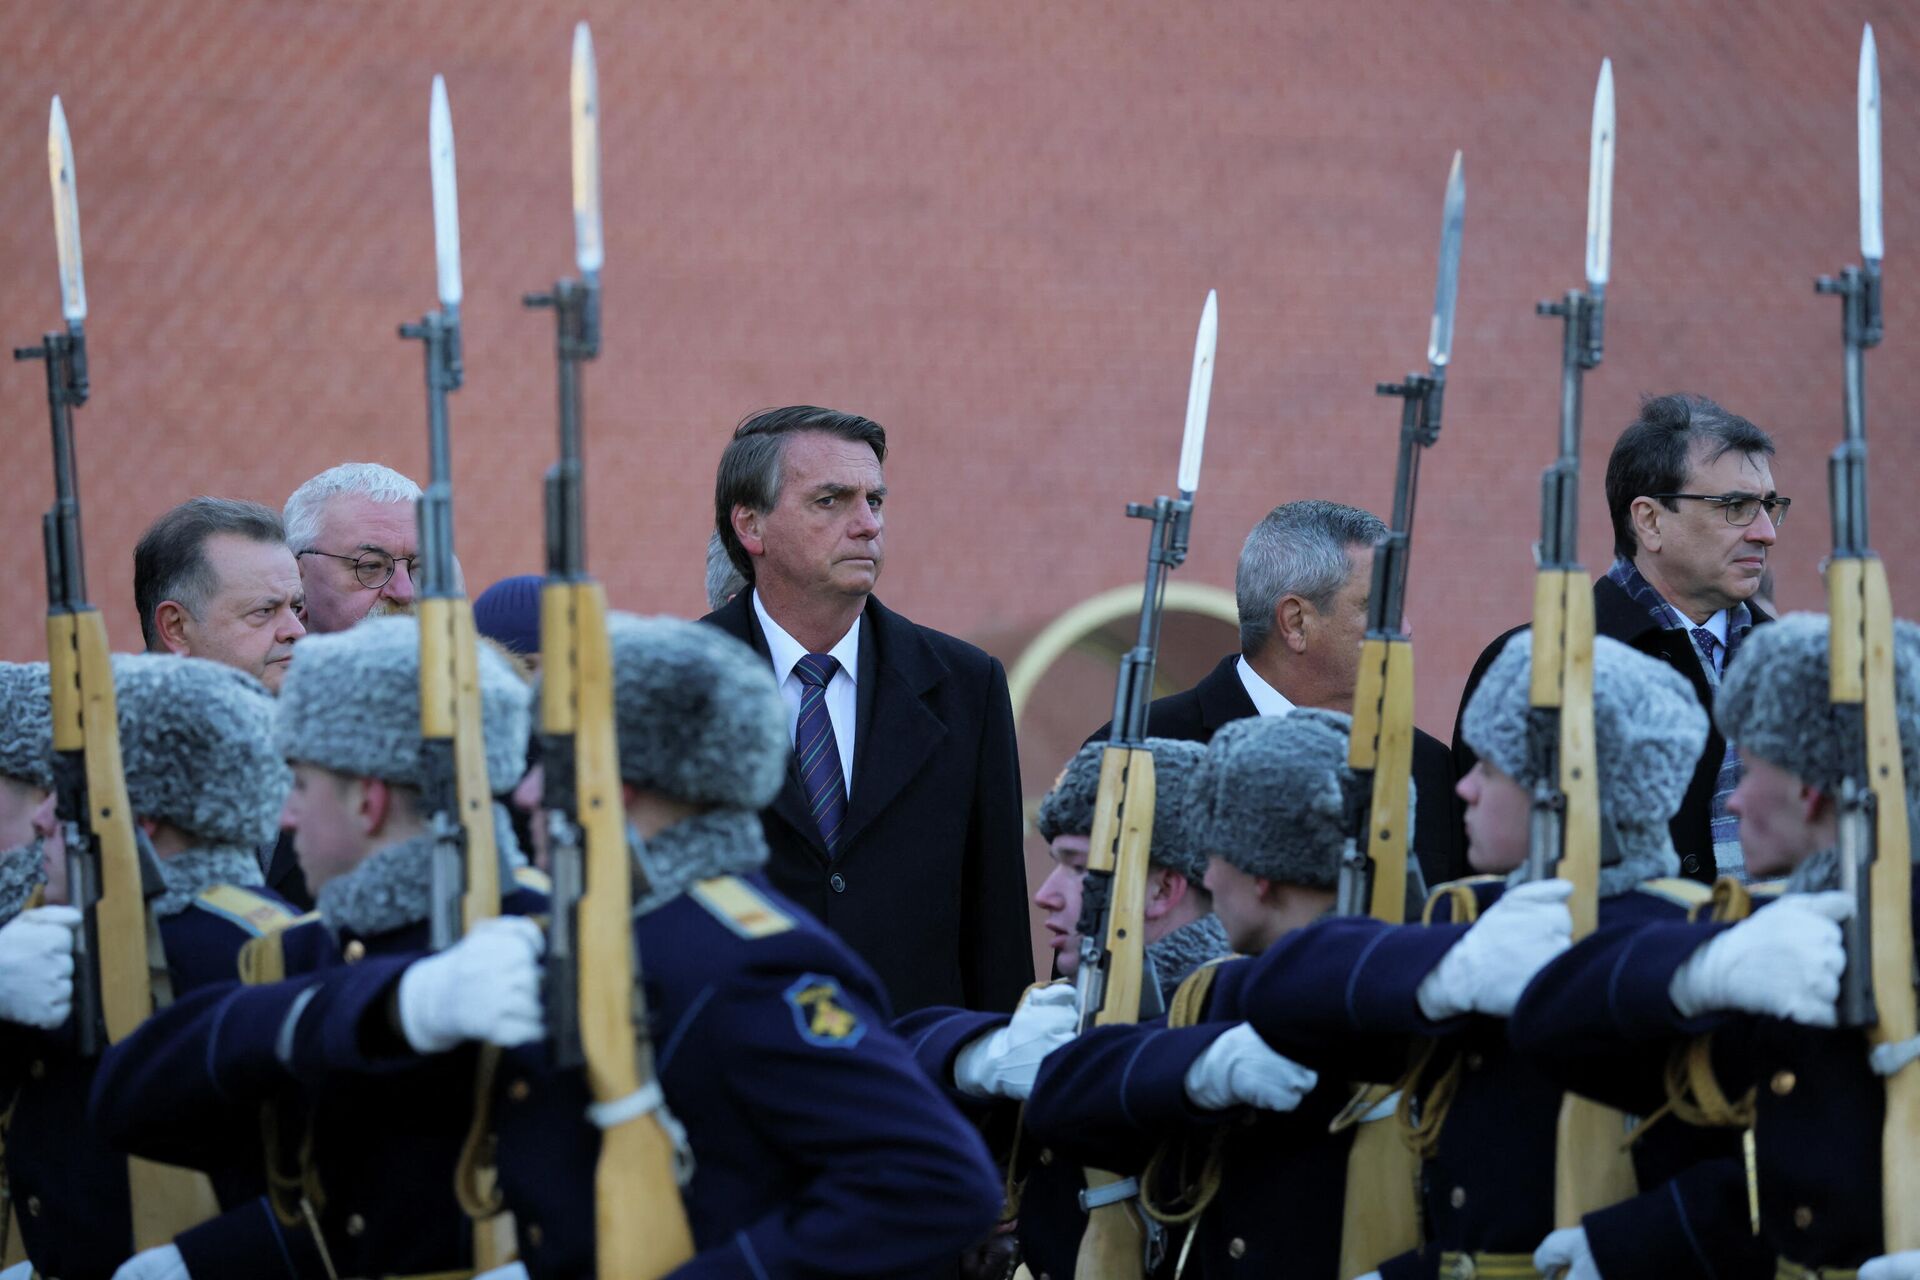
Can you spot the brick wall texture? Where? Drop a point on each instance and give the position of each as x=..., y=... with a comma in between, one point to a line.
x=988, y=225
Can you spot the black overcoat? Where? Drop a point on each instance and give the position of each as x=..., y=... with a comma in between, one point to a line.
x=929, y=886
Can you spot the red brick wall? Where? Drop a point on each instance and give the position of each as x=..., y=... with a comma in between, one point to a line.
x=989, y=225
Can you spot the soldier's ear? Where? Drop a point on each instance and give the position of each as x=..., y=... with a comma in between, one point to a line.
x=1815, y=804
x=1165, y=889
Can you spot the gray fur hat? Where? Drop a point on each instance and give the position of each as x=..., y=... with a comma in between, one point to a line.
x=1068, y=808
x=699, y=715
x=1648, y=730
x=1270, y=796
x=196, y=741
x=26, y=723
x=351, y=703
x=1773, y=703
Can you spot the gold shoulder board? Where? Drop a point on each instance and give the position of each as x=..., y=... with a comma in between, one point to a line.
x=254, y=912
x=741, y=907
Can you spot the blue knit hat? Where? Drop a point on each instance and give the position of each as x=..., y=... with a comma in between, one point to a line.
x=508, y=613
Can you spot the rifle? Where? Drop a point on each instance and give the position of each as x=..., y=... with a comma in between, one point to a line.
x=1876, y=990
x=1113, y=892
x=1378, y=876
x=466, y=862
x=1591, y=1171
x=112, y=872
x=596, y=1007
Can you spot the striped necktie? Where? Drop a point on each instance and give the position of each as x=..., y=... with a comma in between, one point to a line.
x=818, y=751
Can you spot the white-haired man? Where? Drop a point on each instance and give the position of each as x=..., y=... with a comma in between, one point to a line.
x=353, y=530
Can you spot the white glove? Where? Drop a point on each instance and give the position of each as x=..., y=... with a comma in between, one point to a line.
x=512, y=1271
x=18, y=1271
x=1893, y=1266
x=163, y=1262
x=1784, y=960
x=1003, y=1063
x=484, y=987
x=36, y=966
x=1239, y=1068
x=1490, y=966
x=1565, y=1255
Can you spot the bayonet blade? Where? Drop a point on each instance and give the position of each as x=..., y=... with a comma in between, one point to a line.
x=1199, y=395
x=446, y=196
x=588, y=250
x=1446, y=288
x=1871, y=245
x=1600, y=182
x=66, y=214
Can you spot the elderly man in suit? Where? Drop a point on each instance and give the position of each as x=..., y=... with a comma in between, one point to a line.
x=898, y=824
x=1301, y=587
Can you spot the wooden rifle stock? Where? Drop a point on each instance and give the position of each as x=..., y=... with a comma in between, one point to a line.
x=1114, y=1244
x=640, y=1223
x=450, y=712
x=1862, y=673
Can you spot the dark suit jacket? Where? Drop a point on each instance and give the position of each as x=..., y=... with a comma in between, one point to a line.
x=930, y=884
x=1617, y=616
x=1196, y=714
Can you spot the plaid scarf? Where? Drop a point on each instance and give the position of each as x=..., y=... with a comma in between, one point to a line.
x=1726, y=827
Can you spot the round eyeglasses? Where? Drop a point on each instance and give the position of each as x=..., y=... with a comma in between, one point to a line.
x=373, y=569
x=1739, y=510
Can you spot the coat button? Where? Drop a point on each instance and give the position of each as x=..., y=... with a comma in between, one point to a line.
x=534, y=1234
x=37, y=1069
x=33, y=1206
x=1046, y=1155
x=1236, y=1248
x=519, y=1090
x=838, y=881
x=1475, y=1062
x=1782, y=1083
x=356, y=1225
x=1457, y=1197
x=1803, y=1217
x=1690, y=863
x=356, y=951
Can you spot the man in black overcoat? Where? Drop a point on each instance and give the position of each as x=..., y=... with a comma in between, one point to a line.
x=899, y=822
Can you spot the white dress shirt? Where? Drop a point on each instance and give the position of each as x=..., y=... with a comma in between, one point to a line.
x=1267, y=700
x=843, y=701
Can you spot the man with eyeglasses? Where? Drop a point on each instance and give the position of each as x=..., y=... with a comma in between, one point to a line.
x=1690, y=490
x=353, y=530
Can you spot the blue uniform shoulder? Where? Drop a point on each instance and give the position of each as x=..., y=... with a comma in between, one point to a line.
x=254, y=911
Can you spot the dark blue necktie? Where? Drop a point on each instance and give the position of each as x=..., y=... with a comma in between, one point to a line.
x=818, y=751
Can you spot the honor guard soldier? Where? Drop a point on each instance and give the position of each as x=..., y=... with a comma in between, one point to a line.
x=205, y=787
x=987, y=1061
x=1221, y=1131
x=816, y=1145
x=362, y=1168
x=1762, y=989
x=1425, y=1004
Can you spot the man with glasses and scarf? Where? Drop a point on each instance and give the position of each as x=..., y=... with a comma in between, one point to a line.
x=1690, y=490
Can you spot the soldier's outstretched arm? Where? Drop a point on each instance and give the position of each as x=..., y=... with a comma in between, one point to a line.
x=936, y=1035
x=1110, y=1098
x=1342, y=994
x=1695, y=1226
x=188, y=1084
x=1600, y=1020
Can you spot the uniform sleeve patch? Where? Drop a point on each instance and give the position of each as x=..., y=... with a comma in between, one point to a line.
x=822, y=1014
x=253, y=912
x=741, y=907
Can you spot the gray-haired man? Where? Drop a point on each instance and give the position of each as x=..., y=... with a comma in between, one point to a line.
x=1301, y=586
x=352, y=528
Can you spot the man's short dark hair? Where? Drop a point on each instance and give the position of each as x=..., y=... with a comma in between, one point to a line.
x=749, y=474
x=1655, y=452
x=170, y=561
